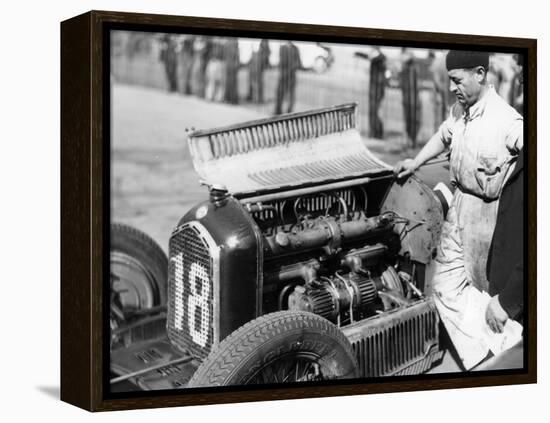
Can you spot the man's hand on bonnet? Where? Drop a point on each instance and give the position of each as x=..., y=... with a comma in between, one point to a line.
x=405, y=168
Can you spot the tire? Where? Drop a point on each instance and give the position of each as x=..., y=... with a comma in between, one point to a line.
x=141, y=265
x=286, y=346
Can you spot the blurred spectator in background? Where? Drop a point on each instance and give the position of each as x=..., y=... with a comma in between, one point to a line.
x=289, y=63
x=201, y=55
x=517, y=85
x=185, y=64
x=377, y=88
x=259, y=62
x=411, y=98
x=215, y=72
x=501, y=74
x=168, y=56
x=232, y=64
x=442, y=98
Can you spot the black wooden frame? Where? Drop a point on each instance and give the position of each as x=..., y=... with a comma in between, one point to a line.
x=85, y=197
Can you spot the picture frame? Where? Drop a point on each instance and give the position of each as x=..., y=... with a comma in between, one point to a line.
x=86, y=208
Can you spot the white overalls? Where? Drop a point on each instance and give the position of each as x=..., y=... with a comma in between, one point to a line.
x=483, y=141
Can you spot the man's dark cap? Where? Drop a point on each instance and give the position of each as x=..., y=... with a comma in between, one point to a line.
x=457, y=59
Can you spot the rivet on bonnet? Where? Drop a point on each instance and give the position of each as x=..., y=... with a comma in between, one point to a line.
x=457, y=59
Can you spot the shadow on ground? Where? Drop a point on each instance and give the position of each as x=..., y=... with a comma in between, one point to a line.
x=50, y=391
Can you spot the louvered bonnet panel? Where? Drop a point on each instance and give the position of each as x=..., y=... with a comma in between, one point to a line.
x=284, y=151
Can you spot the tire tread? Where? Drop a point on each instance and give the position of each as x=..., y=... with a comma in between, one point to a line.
x=218, y=366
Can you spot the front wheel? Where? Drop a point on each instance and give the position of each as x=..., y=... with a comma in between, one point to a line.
x=138, y=268
x=282, y=347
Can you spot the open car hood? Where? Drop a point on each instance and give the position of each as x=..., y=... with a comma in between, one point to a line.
x=283, y=152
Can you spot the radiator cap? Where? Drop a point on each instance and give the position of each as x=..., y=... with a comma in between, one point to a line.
x=218, y=194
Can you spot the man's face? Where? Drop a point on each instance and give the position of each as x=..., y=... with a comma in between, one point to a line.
x=466, y=84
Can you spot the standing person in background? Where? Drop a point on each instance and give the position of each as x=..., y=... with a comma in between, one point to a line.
x=259, y=62
x=215, y=72
x=484, y=135
x=289, y=63
x=377, y=88
x=168, y=56
x=411, y=95
x=201, y=55
x=442, y=95
x=501, y=75
x=185, y=64
x=232, y=65
x=517, y=86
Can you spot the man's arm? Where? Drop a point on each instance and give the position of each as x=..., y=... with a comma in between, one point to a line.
x=433, y=148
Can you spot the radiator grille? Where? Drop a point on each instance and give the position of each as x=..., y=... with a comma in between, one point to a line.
x=399, y=344
x=190, y=323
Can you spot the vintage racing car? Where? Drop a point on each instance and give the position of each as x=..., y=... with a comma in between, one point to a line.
x=306, y=262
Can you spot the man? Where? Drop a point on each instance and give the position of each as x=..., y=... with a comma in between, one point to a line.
x=259, y=62
x=442, y=98
x=377, y=89
x=517, y=86
x=232, y=65
x=410, y=95
x=215, y=72
x=505, y=260
x=185, y=64
x=289, y=63
x=202, y=49
x=501, y=74
x=169, y=57
x=484, y=135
